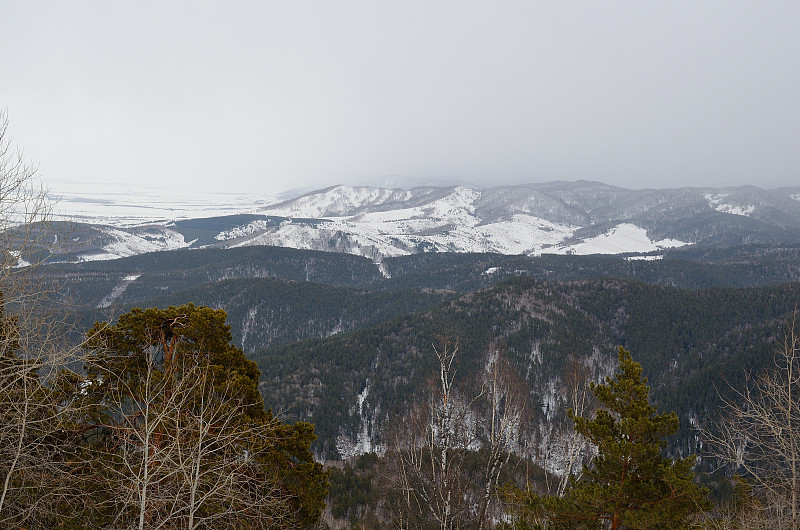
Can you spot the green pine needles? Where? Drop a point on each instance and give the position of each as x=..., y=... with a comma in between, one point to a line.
x=629, y=484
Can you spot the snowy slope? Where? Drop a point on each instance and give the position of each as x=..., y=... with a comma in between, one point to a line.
x=120, y=243
x=560, y=217
x=622, y=239
x=358, y=222
x=125, y=205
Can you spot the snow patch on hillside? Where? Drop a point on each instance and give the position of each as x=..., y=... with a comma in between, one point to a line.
x=715, y=200
x=259, y=225
x=348, y=447
x=455, y=231
x=18, y=261
x=123, y=244
x=383, y=269
x=334, y=236
x=795, y=196
x=621, y=239
x=523, y=234
x=117, y=290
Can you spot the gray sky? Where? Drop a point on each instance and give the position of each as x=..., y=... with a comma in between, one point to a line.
x=268, y=96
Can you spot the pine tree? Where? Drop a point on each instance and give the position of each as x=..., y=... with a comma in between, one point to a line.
x=174, y=409
x=630, y=483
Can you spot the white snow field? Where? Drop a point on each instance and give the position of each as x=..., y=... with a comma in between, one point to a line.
x=622, y=239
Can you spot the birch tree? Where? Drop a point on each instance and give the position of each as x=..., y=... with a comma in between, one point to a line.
x=217, y=460
x=33, y=415
x=504, y=395
x=759, y=434
x=430, y=446
x=179, y=430
x=176, y=453
x=580, y=399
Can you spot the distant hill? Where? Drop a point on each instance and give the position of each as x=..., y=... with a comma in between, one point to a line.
x=553, y=218
x=339, y=292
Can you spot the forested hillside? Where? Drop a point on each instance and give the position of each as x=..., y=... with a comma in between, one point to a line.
x=265, y=311
x=164, y=273
x=102, y=289
x=691, y=343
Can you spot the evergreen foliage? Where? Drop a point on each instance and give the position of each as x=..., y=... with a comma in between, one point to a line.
x=169, y=383
x=630, y=483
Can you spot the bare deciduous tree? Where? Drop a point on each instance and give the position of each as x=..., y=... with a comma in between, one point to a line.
x=217, y=461
x=580, y=397
x=505, y=395
x=174, y=447
x=566, y=449
x=760, y=433
x=32, y=349
x=452, y=448
x=430, y=446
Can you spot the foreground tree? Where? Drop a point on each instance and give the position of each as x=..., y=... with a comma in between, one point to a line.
x=33, y=413
x=450, y=450
x=430, y=447
x=759, y=435
x=29, y=419
x=629, y=483
x=179, y=431
x=503, y=403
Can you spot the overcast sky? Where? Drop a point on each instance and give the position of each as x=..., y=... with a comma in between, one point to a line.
x=268, y=96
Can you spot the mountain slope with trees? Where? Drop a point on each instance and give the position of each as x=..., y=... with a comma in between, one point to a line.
x=691, y=342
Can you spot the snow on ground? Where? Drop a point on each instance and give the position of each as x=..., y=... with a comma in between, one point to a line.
x=715, y=200
x=736, y=210
x=245, y=230
x=795, y=196
x=344, y=202
x=445, y=224
x=455, y=229
x=336, y=201
x=356, y=220
x=117, y=290
x=331, y=235
x=383, y=269
x=523, y=234
x=348, y=447
x=621, y=239
x=18, y=261
x=455, y=205
x=125, y=244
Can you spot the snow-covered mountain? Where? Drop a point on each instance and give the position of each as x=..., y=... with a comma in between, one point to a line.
x=558, y=218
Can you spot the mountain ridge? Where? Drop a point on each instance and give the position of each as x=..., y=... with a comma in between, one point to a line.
x=582, y=217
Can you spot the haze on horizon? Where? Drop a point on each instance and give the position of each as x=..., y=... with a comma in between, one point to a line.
x=269, y=96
